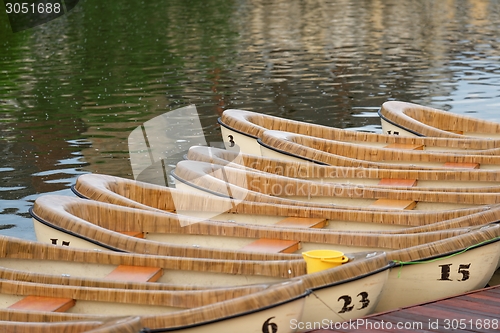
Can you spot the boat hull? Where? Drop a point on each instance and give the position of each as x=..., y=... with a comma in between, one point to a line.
x=393, y=129
x=351, y=300
x=238, y=142
x=445, y=276
x=272, y=319
x=408, y=119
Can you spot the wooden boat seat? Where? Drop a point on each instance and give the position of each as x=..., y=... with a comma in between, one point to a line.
x=135, y=274
x=303, y=222
x=455, y=132
x=398, y=182
x=394, y=204
x=273, y=245
x=461, y=165
x=42, y=303
x=137, y=234
x=406, y=146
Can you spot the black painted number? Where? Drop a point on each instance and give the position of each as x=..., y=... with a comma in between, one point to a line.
x=231, y=141
x=347, y=307
x=393, y=132
x=269, y=327
x=54, y=241
x=364, y=300
x=462, y=269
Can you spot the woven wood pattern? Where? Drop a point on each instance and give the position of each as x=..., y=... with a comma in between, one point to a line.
x=425, y=251
x=447, y=246
x=258, y=186
x=433, y=122
x=201, y=306
x=47, y=323
x=178, y=299
x=268, y=298
x=97, y=187
x=306, y=170
x=254, y=124
x=160, y=223
x=18, y=249
x=355, y=155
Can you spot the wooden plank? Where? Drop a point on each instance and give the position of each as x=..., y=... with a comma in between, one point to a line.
x=394, y=204
x=398, y=182
x=404, y=146
x=402, y=317
x=455, y=131
x=492, y=292
x=451, y=313
x=42, y=303
x=483, y=297
x=303, y=222
x=273, y=246
x=137, y=234
x=135, y=274
x=462, y=306
x=461, y=165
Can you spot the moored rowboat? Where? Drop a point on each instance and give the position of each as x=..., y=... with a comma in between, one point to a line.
x=293, y=146
x=66, y=267
x=184, y=311
x=408, y=119
x=455, y=180
x=257, y=186
x=241, y=130
x=136, y=194
x=432, y=251
x=82, y=223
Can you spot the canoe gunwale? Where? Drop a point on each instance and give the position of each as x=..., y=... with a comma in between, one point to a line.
x=418, y=117
x=194, y=170
x=252, y=124
x=219, y=121
x=78, y=193
x=69, y=232
x=306, y=293
x=451, y=253
x=284, y=152
x=193, y=185
x=379, y=112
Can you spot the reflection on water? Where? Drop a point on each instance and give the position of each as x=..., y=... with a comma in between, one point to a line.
x=72, y=90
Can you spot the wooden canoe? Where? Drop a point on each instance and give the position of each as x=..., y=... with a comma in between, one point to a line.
x=89, y=224
x=481, y=181
x=408, y=119
x=432, y=251
x=54, y=264
x=257, y=186
x=33, y=322
x=292, y=146
x=241, y=130
x=136, y=194
x=167, y=310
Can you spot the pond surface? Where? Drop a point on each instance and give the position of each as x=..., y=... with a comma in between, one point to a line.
x=72, y=90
